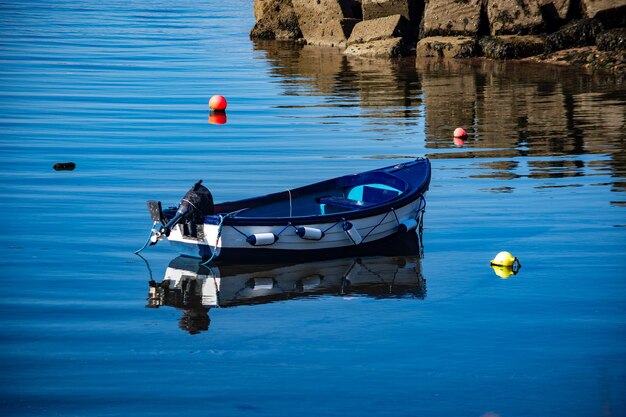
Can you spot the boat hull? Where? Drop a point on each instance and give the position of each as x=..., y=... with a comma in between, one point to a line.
x=398, y=243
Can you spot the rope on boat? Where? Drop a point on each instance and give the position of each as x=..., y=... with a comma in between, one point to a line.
x=285, y=228
x=381, y=222
x=419, y=216
x=214, y=252
x=346, y=224
x=149, y=239
x=269, y=238
x=290, y=205
x=330, y=227
x=295, y=228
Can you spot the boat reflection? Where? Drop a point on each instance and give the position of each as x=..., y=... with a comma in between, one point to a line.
x=195, y=288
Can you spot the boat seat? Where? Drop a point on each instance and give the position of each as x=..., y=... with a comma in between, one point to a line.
x=342, y=202
x=377, y=194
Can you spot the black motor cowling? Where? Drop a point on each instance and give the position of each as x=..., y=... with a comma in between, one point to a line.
x=198, y=203
x=193, y=208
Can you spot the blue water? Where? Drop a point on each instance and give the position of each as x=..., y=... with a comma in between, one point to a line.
x=121, y=89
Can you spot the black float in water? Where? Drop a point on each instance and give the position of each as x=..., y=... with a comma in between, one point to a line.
x=64, y=166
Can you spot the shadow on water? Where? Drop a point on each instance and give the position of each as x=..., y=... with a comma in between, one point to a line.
x=195, y=288
x=550, y=114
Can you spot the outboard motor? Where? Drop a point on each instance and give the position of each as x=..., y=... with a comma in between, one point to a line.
x=193, y=208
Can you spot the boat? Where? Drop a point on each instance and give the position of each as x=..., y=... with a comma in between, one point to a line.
x=352, y=215
x=195, y=288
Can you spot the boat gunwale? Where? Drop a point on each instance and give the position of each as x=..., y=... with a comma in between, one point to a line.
x=412, y=193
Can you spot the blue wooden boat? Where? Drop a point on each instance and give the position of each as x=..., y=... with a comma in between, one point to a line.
x=353, y=215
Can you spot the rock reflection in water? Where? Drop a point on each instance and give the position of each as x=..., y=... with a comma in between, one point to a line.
x=511, y=110
x=381, y=89
x=195, y=288
x=517, y=110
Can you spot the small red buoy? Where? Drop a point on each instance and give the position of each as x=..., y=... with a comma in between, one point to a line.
x=217, y=103
x=459, y=132
x=217, y=118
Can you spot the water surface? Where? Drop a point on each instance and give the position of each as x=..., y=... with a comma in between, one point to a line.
x=121, y=89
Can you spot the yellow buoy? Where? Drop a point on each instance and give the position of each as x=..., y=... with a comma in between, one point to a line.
x=504, y=259
x=505, y=264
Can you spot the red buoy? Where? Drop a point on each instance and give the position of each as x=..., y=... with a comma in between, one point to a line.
x=459, y=132
x=217, y=103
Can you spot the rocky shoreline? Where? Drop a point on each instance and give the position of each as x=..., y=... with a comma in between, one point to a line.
x=589, y=33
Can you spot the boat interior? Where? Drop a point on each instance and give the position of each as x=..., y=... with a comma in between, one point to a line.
x=334, y=196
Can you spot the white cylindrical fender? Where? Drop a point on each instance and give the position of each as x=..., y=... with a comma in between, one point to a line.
x=262, y=239
x=407, y=225
x=309, y=233
x=352, y=233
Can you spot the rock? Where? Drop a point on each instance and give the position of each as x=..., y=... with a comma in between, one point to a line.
x=592, y=7
x=447, y=47
x=612, y=13
x=382, y=28
x=589, y=57
x=278, y=21
x=375, y=9
x=513, y=17
x=259, y=6
x=575, y=34
x=511, y=46
x=612, y=40
x=382, y=37
x=325, y=22
x=384, y=48
x=331, y=33
x=557, y=9
x=451, y=18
